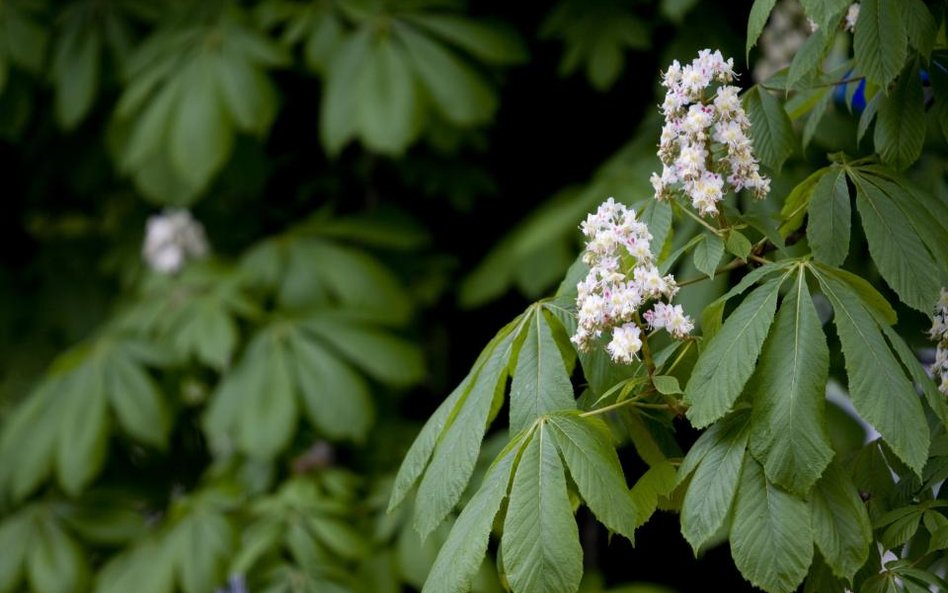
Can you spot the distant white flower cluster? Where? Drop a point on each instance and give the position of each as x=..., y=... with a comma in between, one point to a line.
x=852, y=15
x=622, y=278
x=939, y=332
x=171, y=239
x=697, y=124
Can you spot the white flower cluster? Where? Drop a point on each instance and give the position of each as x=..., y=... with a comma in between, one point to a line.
x=852, y=15
x=622, y=278
x=697, y=126
x=171, y=239
x=939, y=332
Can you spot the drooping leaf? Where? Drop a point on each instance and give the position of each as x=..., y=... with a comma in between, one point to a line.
x=715, y=460
x=900, y=125
x=540, y=383
x=729, y=358
x=896, y=248
x=540, y=544
x=789, y=434
x=771, y=131
x=586, y=447
x=878, y=386
x=830, y=217
x=463, y=551
x=841, y=528
x=771, y=537
x=453, y=459
x=759, y=13
x=880, y=41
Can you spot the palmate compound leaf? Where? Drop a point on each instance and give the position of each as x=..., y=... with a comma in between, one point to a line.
x=771, y=536
x=299, y=362
x=714, y=464
x=728, y=360
x=87, y=389
x=841, y=527
x=443, y=455
x=40, y=553
x=540, y=544
x=789, y=434
x=880, y=391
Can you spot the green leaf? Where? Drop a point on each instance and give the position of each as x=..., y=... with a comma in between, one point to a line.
x=247, y=94
x=900, y=126
x=824, y=12
x=728, y=360
x=386, y=103
x=453, y=460
x=540, y=544
x=337, y=114
x=789, y=435
x=460, y=94
x=464, y=549
x=841, y=528
x=659, y=481
x=939, y=80
x=759, y=13
x=795, y=206
x=896, y=248
x=202, y=543
x=716, y=460
x=494, y=43
x=878, y=386
x=708, y=253
x=830, y=217
x=666, y=385
x=268, y=415
x=139, y=407
x=874, y=302
x=771, y=130
x=809, y=58
x=586, y=447
x=880, y=41
x=675, y=10
x=55, y=562
x=75, y=71
x=920, y=26
x=83, y=434
x=540, y=383
x=200, y=135
x=336, y=398
x=711, y=316
x=15, y=539
x=738, y=244
x=771, y=538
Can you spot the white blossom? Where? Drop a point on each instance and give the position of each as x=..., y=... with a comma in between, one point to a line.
x=852, y=15
x=939, y=333
x=622, y=278
x=700, y=124
x=171, y=239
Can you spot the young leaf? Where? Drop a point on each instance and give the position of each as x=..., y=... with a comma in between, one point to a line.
x=540, y=383
x=774, y=140
x=771, y=538
x=708, y=253
x=896, y=248
x=830, y=217
x=759, y=13
x=540, y=545
x=900, y=126
x=463, y=551
x=452, y=461
x=730, y=356
x=788, y=426
x=880, y=41
x=716, y=460
x=586, y=447
x=841, y=528
x=878, y=386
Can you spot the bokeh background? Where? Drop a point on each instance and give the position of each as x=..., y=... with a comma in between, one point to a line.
x=251, y=245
